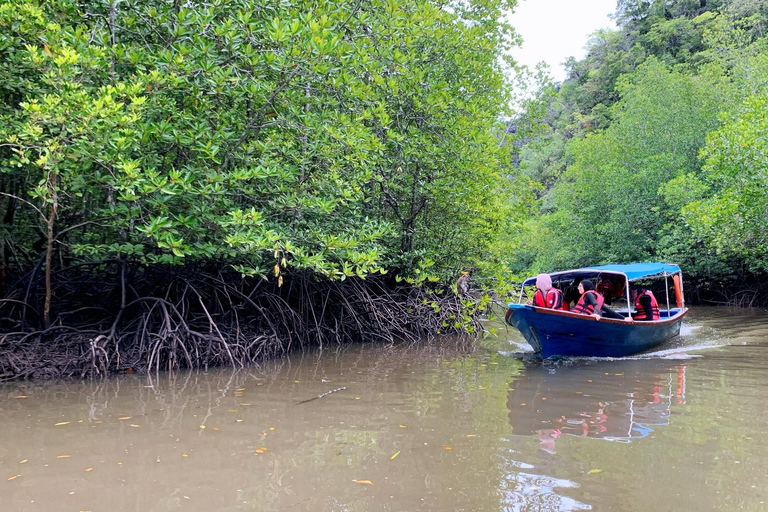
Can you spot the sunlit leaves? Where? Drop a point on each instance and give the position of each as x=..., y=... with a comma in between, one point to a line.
x=353, y=139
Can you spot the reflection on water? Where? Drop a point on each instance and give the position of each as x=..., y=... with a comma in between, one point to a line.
x=429, y=428
x=611, y=401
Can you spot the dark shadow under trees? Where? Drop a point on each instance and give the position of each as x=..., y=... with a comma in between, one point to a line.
x=109, y=318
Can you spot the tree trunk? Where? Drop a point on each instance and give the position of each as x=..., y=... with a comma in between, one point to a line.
x=51, y=184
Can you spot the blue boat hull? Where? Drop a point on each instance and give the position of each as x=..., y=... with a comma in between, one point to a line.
x=561, y=333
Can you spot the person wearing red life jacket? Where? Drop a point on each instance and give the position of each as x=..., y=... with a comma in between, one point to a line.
x=611, y=286
x=645, y=304
x=546, y=296
x=590, y=302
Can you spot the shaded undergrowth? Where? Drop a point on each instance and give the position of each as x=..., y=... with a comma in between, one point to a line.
x=111, y=318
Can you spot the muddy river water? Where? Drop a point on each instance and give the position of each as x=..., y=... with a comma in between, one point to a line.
x=435, y=428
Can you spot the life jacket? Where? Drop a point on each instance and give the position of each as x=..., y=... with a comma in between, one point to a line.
x=588, y=309
x=640, y=315
x=611, y=287
x=552, y=300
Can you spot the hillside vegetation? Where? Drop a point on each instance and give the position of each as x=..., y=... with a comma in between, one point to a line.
x=654, y=148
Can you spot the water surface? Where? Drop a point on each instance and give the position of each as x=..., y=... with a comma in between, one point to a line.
x=430, y=428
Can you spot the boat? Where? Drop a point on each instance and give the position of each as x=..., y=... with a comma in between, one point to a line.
x=554, y=333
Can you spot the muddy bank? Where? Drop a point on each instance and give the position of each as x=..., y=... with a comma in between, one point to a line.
x=109, y=319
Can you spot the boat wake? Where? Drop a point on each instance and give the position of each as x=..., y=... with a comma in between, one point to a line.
x=676, y=353
x=687, y=329
x=521, y=350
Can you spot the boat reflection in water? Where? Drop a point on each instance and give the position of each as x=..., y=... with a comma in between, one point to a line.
x=617, y=401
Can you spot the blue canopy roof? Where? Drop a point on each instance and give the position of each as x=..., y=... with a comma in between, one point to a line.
x=633, y=271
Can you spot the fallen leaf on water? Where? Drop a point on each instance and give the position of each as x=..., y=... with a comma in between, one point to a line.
x=401, y=426
x=471, y=435
x=25, y=460
x=88, y=469
x=124, y=418
x=357, y=398
x=447, y=448
x=593, y=471
x=202, y=427
x=14, y=477
x=271, y=428
x=215, y=428
x=62, y=423
x=63, y=456
x=239, y=421
x=395, y=455
x=364, y=482
x=134, y=425
x=184, y=455
x=259, y=451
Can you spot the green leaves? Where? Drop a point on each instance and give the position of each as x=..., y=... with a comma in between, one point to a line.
x=350, y=138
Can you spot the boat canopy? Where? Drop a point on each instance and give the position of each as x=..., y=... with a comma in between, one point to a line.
x=633, y=271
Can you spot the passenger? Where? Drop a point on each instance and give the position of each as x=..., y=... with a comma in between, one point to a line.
x=592, y=303
x=571, y=295
x=611, y=286
x=645, y=304
x=546, y=296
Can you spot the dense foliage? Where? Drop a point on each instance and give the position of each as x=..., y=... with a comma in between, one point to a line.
x=656, y=149
x=257, y=139
x=341, y=137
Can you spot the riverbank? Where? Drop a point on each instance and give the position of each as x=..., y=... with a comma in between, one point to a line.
x=109, y=319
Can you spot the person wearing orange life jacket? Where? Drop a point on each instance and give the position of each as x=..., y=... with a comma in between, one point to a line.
x=645, y=304
x=592, y=303
x=546, y=296
x=611, y=286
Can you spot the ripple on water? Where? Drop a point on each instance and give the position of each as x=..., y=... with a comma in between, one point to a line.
x=531, y=492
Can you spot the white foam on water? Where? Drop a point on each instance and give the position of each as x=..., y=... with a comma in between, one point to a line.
x=687, y=330
x=676, y=353
x=519, y=346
